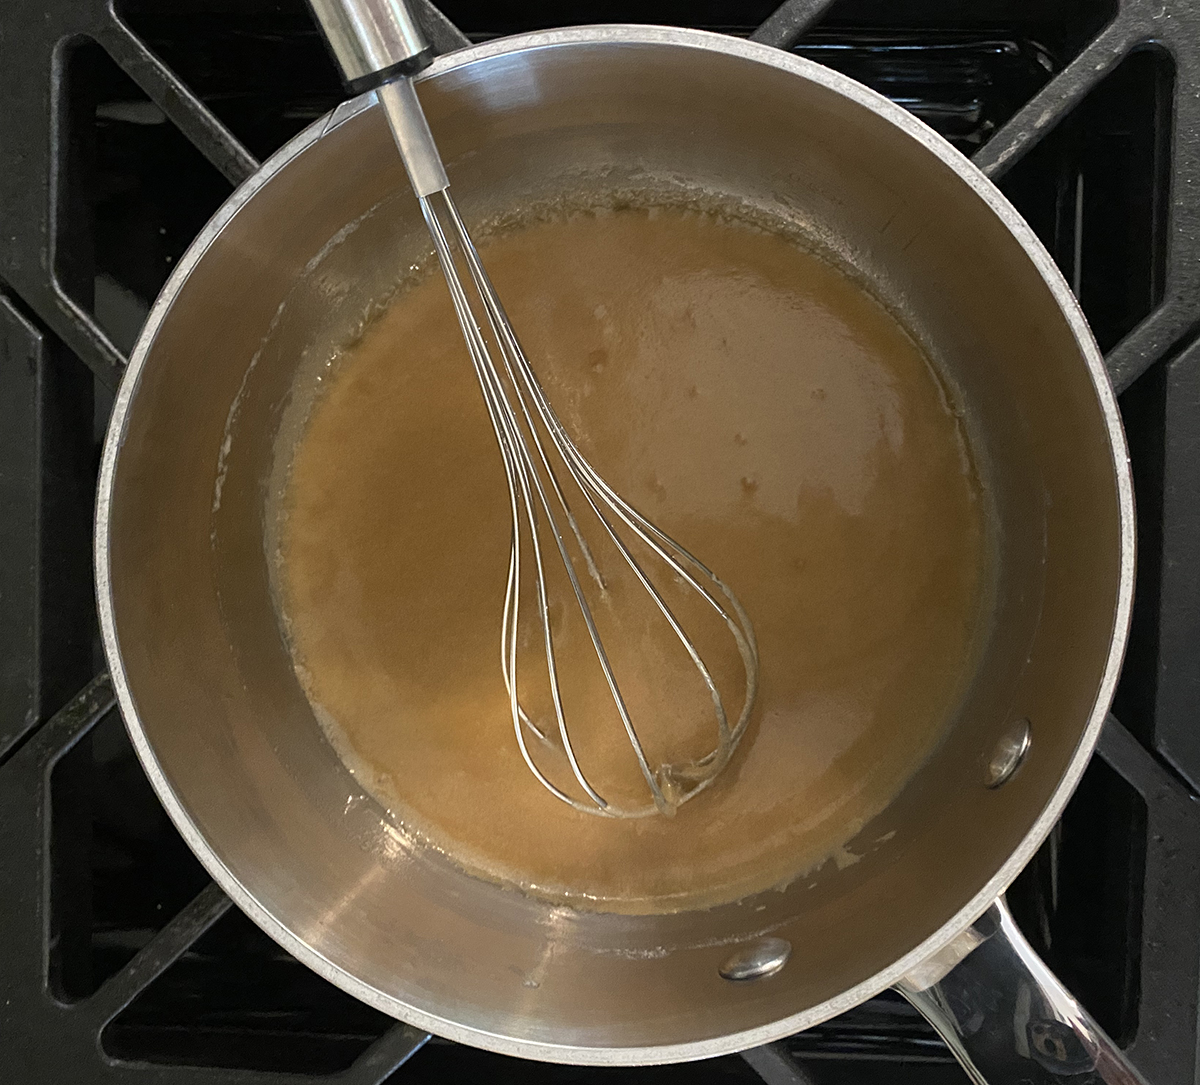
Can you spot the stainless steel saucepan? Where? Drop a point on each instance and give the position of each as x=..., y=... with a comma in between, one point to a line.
x=282, y=273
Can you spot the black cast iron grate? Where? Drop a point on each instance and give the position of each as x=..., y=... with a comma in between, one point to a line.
x=124, y=127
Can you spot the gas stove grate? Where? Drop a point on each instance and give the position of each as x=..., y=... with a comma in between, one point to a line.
x=124, y=127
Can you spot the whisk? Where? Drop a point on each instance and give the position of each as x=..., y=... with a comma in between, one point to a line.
x=379, y=45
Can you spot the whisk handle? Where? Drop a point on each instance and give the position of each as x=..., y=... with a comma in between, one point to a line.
x=411, y=132
x=378, y=45
x=373, y=41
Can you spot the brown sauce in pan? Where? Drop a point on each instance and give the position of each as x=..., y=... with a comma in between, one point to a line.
x=751, y=399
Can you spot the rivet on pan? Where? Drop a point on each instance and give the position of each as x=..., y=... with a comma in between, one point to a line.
x=757, y=960
x=1009, y=753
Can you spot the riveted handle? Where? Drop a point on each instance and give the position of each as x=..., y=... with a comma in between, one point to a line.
x=1006, y=1016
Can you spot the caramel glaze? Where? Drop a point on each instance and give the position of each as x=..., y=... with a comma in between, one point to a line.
x=747, y=396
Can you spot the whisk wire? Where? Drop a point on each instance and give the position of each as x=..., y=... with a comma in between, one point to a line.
x=517, y=428
x=586, y=478
x=579, y=466
x=515, y=363
x=519, y=478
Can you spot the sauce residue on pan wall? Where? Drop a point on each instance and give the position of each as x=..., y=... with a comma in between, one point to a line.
x=751, y=399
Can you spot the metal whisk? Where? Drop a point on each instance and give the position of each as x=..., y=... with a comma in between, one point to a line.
x=378, y=44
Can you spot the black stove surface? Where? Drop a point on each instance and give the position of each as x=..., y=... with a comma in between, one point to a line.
x=123, y=128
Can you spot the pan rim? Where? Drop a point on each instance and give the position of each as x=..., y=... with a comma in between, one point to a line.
x=986, y=191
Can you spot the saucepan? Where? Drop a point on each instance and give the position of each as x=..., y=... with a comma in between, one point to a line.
x=287, y=268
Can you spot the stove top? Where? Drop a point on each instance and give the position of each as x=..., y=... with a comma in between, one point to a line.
x=124, y=126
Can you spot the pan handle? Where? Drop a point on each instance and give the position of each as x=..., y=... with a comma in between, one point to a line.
x=1005, y=1015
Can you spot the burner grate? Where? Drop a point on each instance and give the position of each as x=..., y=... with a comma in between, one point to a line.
x=127, y=126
